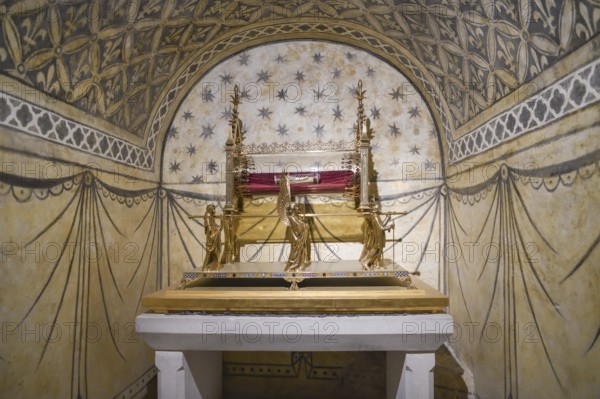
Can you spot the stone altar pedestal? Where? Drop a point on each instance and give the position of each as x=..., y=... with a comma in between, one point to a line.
x=189, y=346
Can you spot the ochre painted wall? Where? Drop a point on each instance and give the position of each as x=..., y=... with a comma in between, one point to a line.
x=522, y=223
x=79, y=247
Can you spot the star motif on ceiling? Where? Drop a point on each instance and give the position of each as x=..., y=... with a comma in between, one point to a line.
x=370, y=72
x=227, y=113
x=415, y=112
x=264, y=76
x=352, y=90
x=375, y=112
x=191, y=149
x=282, y=94
x=301, y=110
x=317, y=58
x=282, y=130
x=337, y=113
x=196, y=179
x=375, y=147
x=395, y=162
x=244, y=59
x=429, y=165
x=212, y=167
x=318, y=94
x=207, y=131
x=337, y=72
x=394, y=130
x=398, y=94
x=319, y=129
x=265, y=112
x=173, y=133
x=245, y=94
x=299, y=76
x=280, y=59
x=226, y=78
x=350, y=56
x=414, y=150
x=187, y=115
x=174, y=167
x=207, y=95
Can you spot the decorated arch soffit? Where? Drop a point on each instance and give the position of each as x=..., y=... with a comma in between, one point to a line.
x=114, y=59
x=420, y=83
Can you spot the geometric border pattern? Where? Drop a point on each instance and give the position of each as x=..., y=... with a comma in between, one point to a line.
x=233, y=274
x=35, y=120
x=569, y=94
x=299, y=146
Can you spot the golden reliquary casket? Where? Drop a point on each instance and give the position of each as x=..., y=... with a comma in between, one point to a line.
x=271, y=202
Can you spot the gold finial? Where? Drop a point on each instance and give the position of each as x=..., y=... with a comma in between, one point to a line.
x=361, y=117
x=360, y=93
x=234, y=122
x=235, y=99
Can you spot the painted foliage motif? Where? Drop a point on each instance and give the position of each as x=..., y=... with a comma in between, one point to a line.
x=113, y=58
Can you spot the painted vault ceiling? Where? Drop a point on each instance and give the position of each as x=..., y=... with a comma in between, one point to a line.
x=293, y=94
x=114, y=59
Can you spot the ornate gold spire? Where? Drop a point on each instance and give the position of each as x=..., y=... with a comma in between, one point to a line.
x=361, y=117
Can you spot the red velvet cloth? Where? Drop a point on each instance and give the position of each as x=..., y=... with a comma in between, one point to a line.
x=330, y=181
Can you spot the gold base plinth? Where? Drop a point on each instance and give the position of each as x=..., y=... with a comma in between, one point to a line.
x=342, y=295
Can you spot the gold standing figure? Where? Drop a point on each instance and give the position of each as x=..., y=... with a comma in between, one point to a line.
x=228, y=254
x=367, y=237
x=374, y=237
x=213, y=239
x=298, y=259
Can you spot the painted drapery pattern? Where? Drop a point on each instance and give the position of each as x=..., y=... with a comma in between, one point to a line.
x=522, y=272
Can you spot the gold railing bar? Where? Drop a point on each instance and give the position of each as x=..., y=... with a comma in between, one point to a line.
x=303, y=214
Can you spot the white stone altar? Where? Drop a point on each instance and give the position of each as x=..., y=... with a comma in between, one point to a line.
x=189, y=346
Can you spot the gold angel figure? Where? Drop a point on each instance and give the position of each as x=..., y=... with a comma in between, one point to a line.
x=289, y=214
x=374, y=237
x=212, y=231
x=299, y=256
